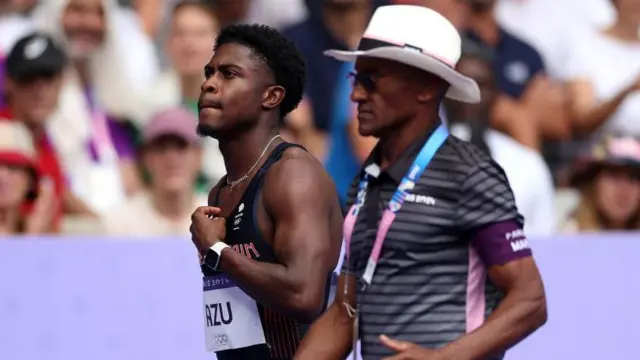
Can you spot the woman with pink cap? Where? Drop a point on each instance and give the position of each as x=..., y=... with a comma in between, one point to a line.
x=608, y=179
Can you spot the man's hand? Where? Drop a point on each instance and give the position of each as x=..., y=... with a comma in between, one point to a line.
x=207, y=228
x=408, y=351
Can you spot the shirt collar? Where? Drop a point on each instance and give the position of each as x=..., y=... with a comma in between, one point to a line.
x=399, y=168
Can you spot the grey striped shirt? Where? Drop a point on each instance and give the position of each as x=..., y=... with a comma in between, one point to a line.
x=430, y=286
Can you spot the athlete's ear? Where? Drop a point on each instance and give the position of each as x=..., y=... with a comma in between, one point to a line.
x=272, y=97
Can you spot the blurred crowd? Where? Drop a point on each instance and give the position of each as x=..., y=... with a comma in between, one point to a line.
x=98, y=106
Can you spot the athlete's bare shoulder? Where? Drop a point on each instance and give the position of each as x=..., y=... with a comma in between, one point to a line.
x=298, y=175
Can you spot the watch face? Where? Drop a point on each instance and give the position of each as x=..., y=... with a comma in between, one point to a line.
x=211, y=259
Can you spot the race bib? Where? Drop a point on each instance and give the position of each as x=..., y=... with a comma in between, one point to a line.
x=231, y=317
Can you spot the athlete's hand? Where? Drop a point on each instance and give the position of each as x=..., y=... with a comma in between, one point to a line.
x=407, y=351
x=207, y=228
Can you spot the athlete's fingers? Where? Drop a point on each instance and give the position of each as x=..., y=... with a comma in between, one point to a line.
x=395, y=345
x=205, y=211
x=211, y=211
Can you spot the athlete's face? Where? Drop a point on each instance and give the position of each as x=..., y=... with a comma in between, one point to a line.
x=238, y=88
x=84, y=26
x=388, y=93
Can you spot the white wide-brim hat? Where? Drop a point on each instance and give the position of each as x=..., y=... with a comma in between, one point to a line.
x=419, y=37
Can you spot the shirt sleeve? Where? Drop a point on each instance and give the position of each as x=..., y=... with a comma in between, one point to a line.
x=488, y=217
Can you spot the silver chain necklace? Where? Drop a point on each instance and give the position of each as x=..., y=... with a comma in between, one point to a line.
x=244, y=177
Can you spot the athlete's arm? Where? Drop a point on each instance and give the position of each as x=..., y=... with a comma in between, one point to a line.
x=299, y=198
x=331, y=336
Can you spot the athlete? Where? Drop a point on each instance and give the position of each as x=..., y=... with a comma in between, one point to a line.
x=271, y=235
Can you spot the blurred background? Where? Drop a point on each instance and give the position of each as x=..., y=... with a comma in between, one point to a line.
x=99, y=162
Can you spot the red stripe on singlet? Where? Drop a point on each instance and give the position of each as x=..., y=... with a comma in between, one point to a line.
x=283, y=334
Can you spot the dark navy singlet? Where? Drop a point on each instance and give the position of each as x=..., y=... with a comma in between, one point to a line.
x=283, y=334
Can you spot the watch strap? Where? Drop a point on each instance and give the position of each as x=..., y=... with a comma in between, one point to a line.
x=213, y=255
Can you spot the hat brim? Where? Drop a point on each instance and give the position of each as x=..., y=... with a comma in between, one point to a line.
x=35, y=68
x=585, y=169
x=461, y=88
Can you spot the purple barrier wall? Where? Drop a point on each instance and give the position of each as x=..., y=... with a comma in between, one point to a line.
x=77, y=298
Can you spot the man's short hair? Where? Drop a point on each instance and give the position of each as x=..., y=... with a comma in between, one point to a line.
x=281, y=55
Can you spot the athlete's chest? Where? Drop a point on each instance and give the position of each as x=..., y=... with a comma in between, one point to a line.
x=245, y=233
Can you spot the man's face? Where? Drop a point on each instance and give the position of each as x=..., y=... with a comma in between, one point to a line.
x=190, y=45
x=387, y=93
x=481, y=72
x=84, y=26
x=236, y=90
x=35, y=97
x=172, y=163
x=15, y=182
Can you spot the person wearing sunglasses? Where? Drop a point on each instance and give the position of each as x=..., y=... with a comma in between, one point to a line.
x=436, y=265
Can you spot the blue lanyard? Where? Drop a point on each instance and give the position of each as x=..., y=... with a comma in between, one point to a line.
x=419, y=165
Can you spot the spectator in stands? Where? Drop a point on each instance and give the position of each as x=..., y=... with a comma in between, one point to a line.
x=171, y=155
x=34, y=76
x=603, y=74
x=13, y=26
x=95, y=148
x=531, y=106
x=609, y=182
x=331, y=24
x=527, y=173
x=193, y=31
x=456, y=11
x=13, y=23
x=26, y=201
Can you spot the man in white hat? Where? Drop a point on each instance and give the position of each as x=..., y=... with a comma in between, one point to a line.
x=436, y=265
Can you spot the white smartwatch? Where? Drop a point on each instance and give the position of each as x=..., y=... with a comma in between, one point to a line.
x=213, y=255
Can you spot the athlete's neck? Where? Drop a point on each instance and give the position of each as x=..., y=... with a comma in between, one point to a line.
x=485, y=27
x=397, y=140
x=9, y=221
x=190, y=85
x=241, y=152
x=173, y=205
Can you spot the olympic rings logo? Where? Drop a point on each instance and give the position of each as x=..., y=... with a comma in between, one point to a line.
x=221, y=340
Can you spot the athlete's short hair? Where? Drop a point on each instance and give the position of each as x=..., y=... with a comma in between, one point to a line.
x=280, y=54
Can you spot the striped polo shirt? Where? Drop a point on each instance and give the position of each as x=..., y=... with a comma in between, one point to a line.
x=430, y=286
